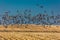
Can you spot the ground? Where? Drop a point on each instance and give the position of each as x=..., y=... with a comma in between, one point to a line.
x=30, y=32
x=29, y=36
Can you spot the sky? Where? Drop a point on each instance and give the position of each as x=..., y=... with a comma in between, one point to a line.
x=21, y=5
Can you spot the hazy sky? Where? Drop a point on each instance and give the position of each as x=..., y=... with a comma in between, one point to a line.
x=13, y=5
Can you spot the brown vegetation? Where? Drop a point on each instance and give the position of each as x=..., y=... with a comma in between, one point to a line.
x=29, y=36
x=31, y=27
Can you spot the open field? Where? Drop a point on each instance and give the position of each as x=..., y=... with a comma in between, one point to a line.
x=30, y=32
x=29, y=36
x=31, y=27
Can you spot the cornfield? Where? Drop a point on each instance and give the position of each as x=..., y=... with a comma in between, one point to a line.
x=30, y=32
x=29, y=36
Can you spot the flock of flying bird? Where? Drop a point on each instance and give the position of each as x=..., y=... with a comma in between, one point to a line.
x=27, y=18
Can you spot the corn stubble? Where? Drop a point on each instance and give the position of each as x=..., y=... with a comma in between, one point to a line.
x=29, y=35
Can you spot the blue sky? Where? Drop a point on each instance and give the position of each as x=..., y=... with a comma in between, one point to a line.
x=21, y=5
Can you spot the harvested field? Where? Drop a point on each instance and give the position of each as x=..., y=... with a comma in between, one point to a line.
x=30, y=32
x=31, y=27
x=29, y=36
